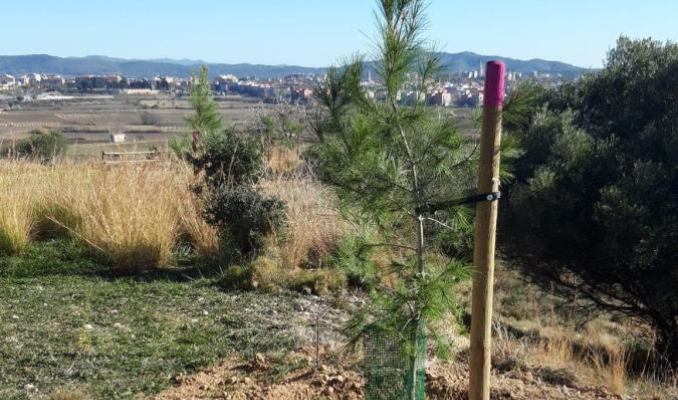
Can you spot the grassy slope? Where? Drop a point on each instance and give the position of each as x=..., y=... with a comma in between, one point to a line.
x=114, y=338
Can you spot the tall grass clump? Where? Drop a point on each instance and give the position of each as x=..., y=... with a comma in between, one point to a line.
x=22, y=187
x=313, y=222
x=127, y=212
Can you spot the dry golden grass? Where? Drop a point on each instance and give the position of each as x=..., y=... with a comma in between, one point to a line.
x=314, y=225
x=295, y=260
x=127, y=211
x=594, y=356
x=203, y=237
x=611, y=369
x=282, y=159
x=132, y=213
x=22, y=189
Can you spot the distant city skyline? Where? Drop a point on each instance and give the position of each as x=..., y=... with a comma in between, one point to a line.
x=319, y=33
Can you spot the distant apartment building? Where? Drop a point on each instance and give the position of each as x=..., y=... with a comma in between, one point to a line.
x=99, y=83
x=223, y=83
x=165, y=83
x=52, y=82
x=441, y=98
x=24, y=80
x=140, y=84
x=35, y=79
x=7, y=82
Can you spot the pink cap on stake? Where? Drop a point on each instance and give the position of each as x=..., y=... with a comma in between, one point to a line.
x=494, y=84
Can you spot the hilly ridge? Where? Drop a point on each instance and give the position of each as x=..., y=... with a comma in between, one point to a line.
x=102, y=65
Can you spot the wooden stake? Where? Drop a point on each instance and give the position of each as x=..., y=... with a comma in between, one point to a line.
x=485, y=234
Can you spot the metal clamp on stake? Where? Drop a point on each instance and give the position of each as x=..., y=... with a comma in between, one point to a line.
x=433, y=207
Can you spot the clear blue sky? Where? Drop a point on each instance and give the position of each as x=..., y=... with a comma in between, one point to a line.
x=320, y=32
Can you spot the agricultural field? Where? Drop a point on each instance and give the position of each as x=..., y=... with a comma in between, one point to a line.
x=88, y=121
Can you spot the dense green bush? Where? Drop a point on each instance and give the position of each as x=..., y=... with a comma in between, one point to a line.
x=230, y=166
x=228, y=160
x=595, y=205
x=42, y=146
x=244, y=217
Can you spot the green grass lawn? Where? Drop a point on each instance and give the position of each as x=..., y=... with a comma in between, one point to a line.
x=65, y=325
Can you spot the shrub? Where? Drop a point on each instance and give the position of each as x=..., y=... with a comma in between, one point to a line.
x=594, y=209
x=244, y=217
x=228, y=160
x=42, y=146
x=237, y=277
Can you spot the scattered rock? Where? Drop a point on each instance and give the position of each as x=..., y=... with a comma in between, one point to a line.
x=259, y=363
x=336, y=380
x=179, y=378
x=89, y=327
x=298, y=307
x=529, y=377
x=328, y=391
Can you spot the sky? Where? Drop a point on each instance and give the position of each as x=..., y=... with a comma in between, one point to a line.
x=323, y=32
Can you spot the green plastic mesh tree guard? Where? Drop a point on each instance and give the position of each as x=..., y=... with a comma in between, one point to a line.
x=388, y=364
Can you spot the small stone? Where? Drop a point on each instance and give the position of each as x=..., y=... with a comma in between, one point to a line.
x=201, y=299
x=194, y=321
x=15, y=317
x=114, y=312
x=89, y=327
x=337, y=379
x=204, y=387
x=298, y=307
x=329, y=391
x=259, y=360
x=29, y=388
x=205, y=312
x=118, y=325
x=247, y=381
x=232, y=380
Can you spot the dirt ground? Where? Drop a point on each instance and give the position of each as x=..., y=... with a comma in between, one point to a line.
x=260, y=379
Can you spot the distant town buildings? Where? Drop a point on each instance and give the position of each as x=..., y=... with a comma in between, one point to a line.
x=462, y=89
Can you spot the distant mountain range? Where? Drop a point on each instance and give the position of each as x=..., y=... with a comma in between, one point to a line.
x=102, y=65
